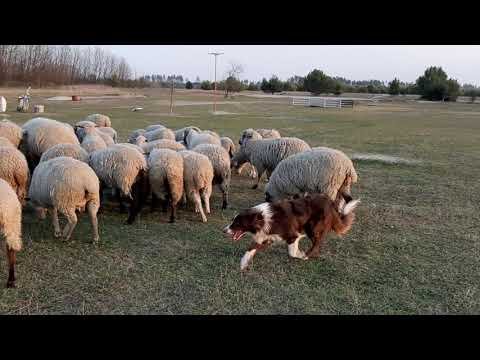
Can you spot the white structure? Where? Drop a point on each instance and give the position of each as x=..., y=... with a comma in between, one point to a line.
x=3, y=104
x=325, y=102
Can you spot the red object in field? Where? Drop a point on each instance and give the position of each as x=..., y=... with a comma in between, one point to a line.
x=75, y=98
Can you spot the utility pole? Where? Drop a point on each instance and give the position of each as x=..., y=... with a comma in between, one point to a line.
x=171, y=98
x=215, y=83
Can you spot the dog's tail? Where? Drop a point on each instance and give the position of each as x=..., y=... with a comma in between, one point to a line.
x=343, y=218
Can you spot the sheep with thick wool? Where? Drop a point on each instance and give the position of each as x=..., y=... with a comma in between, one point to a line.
x=159, y=134
x=158, y=144
x=258, y=134
x=92, y=141
x=10, y=227
x=69, y=150
x=154, y=127
x=266, y=154
x=165, y=173
x=11, y=131
x=228, y=145
x=320, y=170
x=66, y=185
x=106, y=133
x=180, y=133
x=111, y=132
x=123, y=168
x=132, y=138
x=194, y=138
x=99, y=119
x=14, y=170
x=40, y=134
x=197, y=180
x=222, y=172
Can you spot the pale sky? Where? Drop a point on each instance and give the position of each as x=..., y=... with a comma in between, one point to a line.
x=359, y=62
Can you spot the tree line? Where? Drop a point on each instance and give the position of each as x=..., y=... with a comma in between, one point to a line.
x=45, y=65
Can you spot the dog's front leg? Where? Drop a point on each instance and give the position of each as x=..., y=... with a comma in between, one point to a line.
x=252, y=250
x=293, y=249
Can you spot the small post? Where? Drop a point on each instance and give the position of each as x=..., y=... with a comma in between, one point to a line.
x=171, y=98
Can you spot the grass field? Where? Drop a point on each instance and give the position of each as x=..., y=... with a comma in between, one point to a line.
x=414, y=249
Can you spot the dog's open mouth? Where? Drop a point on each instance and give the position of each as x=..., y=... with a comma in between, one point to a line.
x=237, y=235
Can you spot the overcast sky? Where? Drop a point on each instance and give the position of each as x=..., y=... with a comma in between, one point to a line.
x=352, y=62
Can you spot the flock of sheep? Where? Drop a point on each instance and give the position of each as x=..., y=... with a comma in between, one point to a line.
x=66, y=169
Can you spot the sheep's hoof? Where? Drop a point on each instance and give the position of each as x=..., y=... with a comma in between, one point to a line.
x=204, y=220
x=57, y=234
x=11, y=285
x=95, y=241
x=254, y=186
x=224, y=205
x=171, y=221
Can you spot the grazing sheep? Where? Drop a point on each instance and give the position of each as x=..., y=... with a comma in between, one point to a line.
x=105, y=137
x=40, y=134
x=99, y=119
x=154, y=127
x=11, y=131
x=258, y=134
x=228, y=145
x=213, y=133
x=266, y=154
x=132, y=138
x=165, y=172
x=132, y=146
x=123, y=168
x=222, y=173
x=194, y=138
x=110, y=132
x=269, y=133
x=158, y=144
x=159, y=134
x=14, y=170
x=10, y=227
x=79, y=128
x=69, y=150
x=92, y=141
x=320, y=170
x=66, y=185
x=197, y=180
x=180, y=133
x=5, y=142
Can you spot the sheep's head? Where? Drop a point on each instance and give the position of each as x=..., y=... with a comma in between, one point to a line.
x=238, y=159
x=247, y=135
x=140, y=140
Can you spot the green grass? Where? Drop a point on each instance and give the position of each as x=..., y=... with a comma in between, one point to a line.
x=413, y=250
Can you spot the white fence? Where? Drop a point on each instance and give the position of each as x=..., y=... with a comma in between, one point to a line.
x=324, y=102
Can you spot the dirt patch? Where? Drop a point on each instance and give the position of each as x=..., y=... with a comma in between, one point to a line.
x=386, y=159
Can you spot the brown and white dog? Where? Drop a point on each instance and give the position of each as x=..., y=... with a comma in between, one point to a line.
x=290, y=220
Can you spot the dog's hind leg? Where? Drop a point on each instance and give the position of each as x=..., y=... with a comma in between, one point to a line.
x=317, y=236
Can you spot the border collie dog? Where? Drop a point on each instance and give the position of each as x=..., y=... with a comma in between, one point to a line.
x=290, y=220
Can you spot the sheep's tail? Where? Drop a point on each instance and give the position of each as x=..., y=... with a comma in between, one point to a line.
x=343, y=218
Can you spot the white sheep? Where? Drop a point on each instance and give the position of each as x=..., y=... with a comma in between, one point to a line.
x=158, y=134
x=134, y=135
x=40, y=134
x=14, y=170
x=222, y=173
x=154, y=127
x=197, y=180
x=228, y=145
x=70, y=150
x=320, y=170
x=258, y=134
x=92, y=141
x=107, y=134
x=165, y=173
x=99, y=119
x=194, y=138
x=124, y=168
x=180, y=133
x=11, y=131
x=10, y=227
x=66, y=185
x=266, y=154
x=158, y=144
x=110, y=132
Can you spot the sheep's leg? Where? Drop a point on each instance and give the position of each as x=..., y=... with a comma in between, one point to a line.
x=72, y=222
x=173, y=212
x=92, y=209
x=224, y=188
x=206, y=193
x=12, y=260
x=102, y=197
x=198, y=205
x=260, y=171
x=118, y=197
x=56, y=226
x=154, y=203
x=139, y=193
